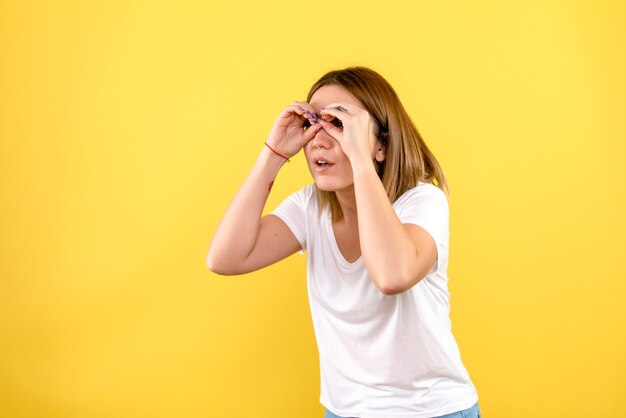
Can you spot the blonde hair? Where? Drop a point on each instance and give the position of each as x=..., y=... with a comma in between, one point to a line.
x=408, y=159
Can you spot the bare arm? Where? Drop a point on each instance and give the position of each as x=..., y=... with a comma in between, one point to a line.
x=237, y=233
x=243, y=241
x=396, y=255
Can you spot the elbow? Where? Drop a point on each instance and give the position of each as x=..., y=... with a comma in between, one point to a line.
x=216, y=266
x=394, y=285
x=393, y=279
x=390, y=290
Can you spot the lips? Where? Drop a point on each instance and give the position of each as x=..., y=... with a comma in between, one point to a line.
x=322, y=163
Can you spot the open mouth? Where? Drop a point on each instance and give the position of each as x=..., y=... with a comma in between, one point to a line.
x=322, y=164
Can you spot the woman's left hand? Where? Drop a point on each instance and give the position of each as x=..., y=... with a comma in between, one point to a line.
x=357, y=136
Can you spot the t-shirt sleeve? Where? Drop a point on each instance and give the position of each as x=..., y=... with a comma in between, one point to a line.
x=427, y=207
x=293, y=211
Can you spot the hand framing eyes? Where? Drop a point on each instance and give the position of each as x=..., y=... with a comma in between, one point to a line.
x=357, y=133
x=287, y=136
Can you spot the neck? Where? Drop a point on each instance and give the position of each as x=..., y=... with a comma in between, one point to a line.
x=347, y=201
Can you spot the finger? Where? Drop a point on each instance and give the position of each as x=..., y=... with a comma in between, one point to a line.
x=306, y=110
x=333, y=111
x=310, y=133
x=297, y=109
x=293, y=117
x=332, y=130
x=306, y=106
x=290, y=113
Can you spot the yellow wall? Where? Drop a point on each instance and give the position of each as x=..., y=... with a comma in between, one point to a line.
x=126, y=128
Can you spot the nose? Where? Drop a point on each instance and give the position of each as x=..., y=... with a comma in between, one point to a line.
x=322, y=140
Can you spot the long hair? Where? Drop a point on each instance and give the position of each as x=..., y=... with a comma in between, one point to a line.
x=408, y=159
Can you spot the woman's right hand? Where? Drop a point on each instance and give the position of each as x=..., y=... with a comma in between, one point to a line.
x=288, y=135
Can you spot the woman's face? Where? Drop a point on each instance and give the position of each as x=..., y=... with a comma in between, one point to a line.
x=336, y=175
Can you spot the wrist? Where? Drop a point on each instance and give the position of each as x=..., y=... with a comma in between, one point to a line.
x=361, y=163
x=271, y=158
x=284, y=157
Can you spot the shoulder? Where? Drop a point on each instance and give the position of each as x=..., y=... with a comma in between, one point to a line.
x=304, y=197
x=307, y=193
x=425, y=205
x=423, y=192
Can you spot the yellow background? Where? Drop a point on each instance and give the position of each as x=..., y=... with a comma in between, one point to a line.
x=127, y=126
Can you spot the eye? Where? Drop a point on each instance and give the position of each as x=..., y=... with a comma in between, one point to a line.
x=337, y=123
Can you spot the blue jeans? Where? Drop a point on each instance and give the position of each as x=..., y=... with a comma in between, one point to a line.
x=471, y=412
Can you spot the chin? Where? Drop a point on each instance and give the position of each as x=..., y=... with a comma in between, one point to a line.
x=332, y=183
x=328, y=185
x=325, y=187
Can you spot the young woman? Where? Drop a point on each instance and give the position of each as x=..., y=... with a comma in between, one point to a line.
x=374, y=225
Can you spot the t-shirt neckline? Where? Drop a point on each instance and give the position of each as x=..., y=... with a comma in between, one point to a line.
x=335, y=247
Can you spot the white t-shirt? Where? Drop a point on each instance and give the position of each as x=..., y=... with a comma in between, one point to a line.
x=381, y=355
